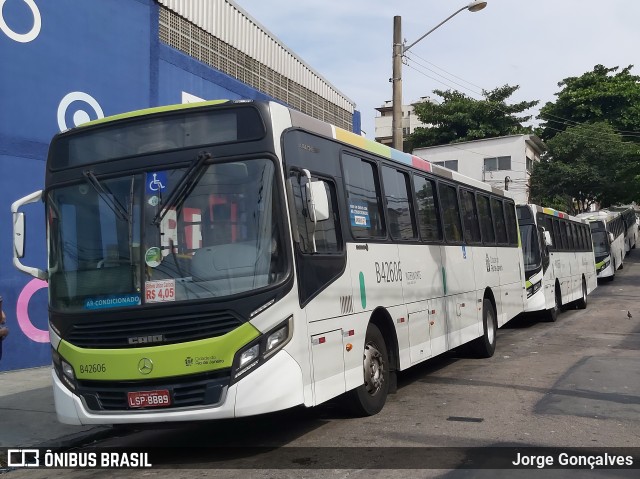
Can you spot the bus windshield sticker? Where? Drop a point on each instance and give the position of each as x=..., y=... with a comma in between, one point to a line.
x=160, y=291
x=153, y=257
x=112, y=301
x=156, y=182
x=359, y=215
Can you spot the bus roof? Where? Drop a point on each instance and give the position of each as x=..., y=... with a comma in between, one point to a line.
x=556, y=213
x=601, y=215
x=302, y=120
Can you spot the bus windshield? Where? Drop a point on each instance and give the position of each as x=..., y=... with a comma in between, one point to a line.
x=221, y=239
x=600, y=243
x=530, y=248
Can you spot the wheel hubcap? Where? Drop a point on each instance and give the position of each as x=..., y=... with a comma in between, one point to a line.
x=491, y=329
x=373, y=369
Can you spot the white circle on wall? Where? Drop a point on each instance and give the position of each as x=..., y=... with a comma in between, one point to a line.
x=23, y=37
x=80, y=116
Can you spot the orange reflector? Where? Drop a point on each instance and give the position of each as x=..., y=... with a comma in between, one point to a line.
x=349, y=347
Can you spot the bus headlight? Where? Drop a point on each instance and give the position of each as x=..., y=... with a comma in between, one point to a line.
x=258, y=351
x=604, y=266
x=249, y=355
x=276, y=339
x=533, y=289
x=63, y=370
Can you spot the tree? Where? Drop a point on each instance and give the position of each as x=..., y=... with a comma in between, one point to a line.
x=461, y=118
x=603, y=94
x=586, y=164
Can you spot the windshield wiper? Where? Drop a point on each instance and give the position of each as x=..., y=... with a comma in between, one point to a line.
x=183, y=188
x=107, y=196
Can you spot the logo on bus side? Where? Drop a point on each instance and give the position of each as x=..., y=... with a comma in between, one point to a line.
x=493, y=264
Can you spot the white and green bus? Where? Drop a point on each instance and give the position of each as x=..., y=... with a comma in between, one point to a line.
x=558, y=260
x=630, y=222
x=227, y=259
x=609, y=237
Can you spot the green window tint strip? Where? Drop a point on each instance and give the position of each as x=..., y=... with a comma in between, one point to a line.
x=149, y=111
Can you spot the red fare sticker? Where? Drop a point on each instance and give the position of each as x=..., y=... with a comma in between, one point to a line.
x=160, y=291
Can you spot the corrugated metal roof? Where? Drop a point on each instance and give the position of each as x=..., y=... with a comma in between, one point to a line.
x=230, y=23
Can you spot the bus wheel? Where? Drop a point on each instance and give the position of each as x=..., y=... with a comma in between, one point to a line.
x=552, y=314
x=485, y=345
x=582, y=302
x=369, y=398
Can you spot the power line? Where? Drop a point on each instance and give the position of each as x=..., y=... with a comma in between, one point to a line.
x=565, y=121
x=496, y=107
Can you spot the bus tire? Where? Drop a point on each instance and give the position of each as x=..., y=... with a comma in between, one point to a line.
x=582, y=302
x=369, y=398
x=552, y=313
x=485, y=345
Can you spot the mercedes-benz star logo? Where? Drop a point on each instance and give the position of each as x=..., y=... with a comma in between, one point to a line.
x=145, y=366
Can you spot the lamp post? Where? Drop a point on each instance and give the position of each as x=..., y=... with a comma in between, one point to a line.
x=399, y=49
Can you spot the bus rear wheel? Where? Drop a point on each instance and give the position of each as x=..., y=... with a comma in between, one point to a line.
x=582, y=302
x=369, y=398
x=552, y=314
x=485, y=345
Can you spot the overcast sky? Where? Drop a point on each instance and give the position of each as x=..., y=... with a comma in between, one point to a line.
x=531, y=43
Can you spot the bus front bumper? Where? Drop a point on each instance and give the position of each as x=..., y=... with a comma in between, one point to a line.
x=275, y=385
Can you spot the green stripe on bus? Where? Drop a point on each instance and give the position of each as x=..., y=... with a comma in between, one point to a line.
x=528, y=284
x=170, y=360
x=444, y=280
x=363, y=291
x=601, y=263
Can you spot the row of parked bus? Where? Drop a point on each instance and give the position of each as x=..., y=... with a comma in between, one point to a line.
x=564, y=255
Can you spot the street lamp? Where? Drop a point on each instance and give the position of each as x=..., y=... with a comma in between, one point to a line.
x=399, y=49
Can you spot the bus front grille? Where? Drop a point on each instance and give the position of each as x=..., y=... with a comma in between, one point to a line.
x=194, y=390
x=153, y=331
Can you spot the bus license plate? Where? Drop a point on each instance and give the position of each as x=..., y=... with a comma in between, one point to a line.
x=158, y=398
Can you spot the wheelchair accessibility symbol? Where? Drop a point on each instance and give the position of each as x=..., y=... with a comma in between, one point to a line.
x=156, y=182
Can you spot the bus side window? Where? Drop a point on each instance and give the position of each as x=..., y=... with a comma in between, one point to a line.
x=498, y=217
x=486, y=222
x=469, y=216
x=512, y=227
x=399, y=207
x=450, y=213
x=557, y=240
x=327, y=232
x=428, y=215
x=363, y=198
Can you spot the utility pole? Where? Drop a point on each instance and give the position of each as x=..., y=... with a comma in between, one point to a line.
x=396, y=81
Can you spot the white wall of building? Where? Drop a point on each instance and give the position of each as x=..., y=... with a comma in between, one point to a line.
x=471, y=155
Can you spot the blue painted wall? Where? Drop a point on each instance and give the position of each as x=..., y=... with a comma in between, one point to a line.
x=64, y=62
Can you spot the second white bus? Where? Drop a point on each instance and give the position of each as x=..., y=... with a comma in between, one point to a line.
x=558, y=260
x=608, y=235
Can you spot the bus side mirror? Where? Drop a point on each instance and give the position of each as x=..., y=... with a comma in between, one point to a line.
x=317, y=199
x=18, y=235
x=611, y=238
x=547, y=238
